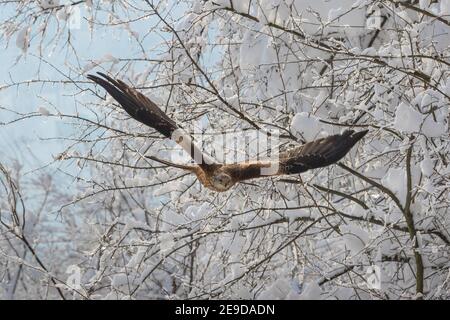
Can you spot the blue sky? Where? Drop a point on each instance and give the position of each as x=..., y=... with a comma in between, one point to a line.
x=27, y=140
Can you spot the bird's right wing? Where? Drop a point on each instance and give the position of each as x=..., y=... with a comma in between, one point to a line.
x=147, y=112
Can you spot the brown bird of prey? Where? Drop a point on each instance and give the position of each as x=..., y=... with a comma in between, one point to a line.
x=221, y=177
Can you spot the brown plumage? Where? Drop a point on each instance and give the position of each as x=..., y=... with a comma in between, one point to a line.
x=221, y=177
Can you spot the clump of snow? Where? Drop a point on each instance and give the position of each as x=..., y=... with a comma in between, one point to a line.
x=23, y=39
x=433, y=129
x=425, y=100
x=89, y=66
x=357, y=211
x=94, y=63
x=48, y=4
x=292, y=215
x=355, y=238
x=43, y=111
x=369, y=51
x=305, y=125
x=395, y=180
x=198, y=212
x=426, y=166
x=63, y=14
x=175, y=218
x=407, y=119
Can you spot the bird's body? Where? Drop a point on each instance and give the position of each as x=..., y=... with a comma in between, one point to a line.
x=221, y=177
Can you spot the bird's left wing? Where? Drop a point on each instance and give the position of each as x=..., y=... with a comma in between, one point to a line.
x=319, y=153
x=315, y=154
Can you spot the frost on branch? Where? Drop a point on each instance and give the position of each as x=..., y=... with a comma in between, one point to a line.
x=23, y=38
x=142, y=229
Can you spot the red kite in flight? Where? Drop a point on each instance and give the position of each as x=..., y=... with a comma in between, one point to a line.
x=221, y=177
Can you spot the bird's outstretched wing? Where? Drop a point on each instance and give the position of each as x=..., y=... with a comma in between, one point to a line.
x=136, y=104
x=319, y=153
x=147, y=112
x=315, y=154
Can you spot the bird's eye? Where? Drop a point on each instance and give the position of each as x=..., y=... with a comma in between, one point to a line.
x=224, y=179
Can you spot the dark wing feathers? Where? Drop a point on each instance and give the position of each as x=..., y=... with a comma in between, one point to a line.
x=315, y=154
x=147, y=112
x=319, y=153
x=136, y=104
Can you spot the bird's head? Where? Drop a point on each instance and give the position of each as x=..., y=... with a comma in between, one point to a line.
x=222, y=181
